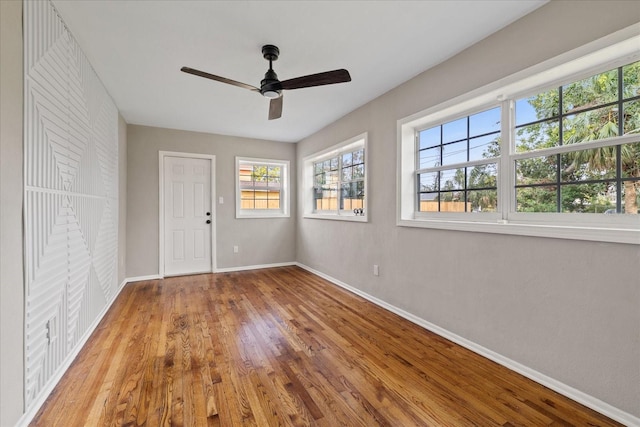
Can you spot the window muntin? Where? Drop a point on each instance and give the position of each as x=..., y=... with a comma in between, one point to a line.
x=261, y=187
x=565, y=218
x=339, y=182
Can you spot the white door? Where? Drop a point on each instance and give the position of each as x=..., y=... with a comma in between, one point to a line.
x=188, y=217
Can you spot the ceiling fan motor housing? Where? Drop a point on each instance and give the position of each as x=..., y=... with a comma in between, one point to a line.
x=270, y=85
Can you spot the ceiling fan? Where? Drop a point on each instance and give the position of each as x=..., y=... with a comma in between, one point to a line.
x=271, y=87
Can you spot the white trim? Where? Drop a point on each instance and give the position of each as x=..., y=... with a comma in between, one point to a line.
x=141, y=278
x=555, y=385
x=254, y=267
x=214, y=218
x=283, y=212
x=46, y=391
x=335, y=217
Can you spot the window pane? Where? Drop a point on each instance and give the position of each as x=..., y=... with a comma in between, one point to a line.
x=331, y=177
x=538, y=170
x=428, y=202
x=484, y=147
x=346, y=159
x=630, y=157
x=631, y=80
x=346, y=173
x=483, y=200
x=536, y=199
x=452, y=179
x=317, y=168
x=590, y=125
x=454, y=131
x=358, y=171
x=484, y=122
x=453, y=201
x=595, y=90
x=454, y=153
x=587, y=198
x=334, y=164
x=484, y=176
x=430, y=157
x=537, y=136
x=259, y=173
x=631, y=117
x=429, y=181
x=247, y=204
x=429, y=137
x=262, y=204
x=326, y=165
x=358, y=157
x=274, y=174
x=630, y=197
x=537, y=107
x=327, y=197
x=586, y=165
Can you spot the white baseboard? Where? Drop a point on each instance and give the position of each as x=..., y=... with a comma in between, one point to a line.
x=254, y=267
x=28, y=416
x=141, y=278
x=568, y=391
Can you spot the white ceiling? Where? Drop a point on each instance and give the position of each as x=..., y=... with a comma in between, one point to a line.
x=138, y=47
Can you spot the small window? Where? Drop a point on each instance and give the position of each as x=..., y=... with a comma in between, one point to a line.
x=335, y=180
x=261, y=188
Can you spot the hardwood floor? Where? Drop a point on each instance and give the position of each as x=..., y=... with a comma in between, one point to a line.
x=284, y=347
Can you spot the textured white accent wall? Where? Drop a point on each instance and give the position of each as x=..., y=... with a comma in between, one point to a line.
x=71, y=195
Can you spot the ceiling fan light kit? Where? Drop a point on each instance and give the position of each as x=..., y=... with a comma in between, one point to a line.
x=271, y=87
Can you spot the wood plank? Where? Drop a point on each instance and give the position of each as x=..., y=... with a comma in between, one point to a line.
x=283, y=347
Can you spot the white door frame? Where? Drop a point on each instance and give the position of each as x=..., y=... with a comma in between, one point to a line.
x=214, y=218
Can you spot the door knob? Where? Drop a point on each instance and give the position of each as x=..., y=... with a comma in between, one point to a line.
x=208, y=213
x=208, y=221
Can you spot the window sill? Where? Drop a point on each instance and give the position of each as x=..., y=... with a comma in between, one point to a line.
x=262, y=215
x=352, y=218
x=574, y=232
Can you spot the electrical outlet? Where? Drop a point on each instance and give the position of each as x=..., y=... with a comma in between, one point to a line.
x=235, y=249
x=376, y=270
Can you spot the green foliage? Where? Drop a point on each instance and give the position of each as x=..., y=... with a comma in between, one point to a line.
x=265, y=173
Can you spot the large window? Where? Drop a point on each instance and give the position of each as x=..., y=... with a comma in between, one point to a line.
x=261, y=188
x=553, y=152
x=335, y=180
x=603, y=178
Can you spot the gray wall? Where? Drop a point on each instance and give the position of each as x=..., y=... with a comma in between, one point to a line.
x=567, y=309
x=11, y=279
x=261, y=241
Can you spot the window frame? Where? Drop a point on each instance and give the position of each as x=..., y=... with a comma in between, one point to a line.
x=283, y=211
x=614, y=51
x=338, y=150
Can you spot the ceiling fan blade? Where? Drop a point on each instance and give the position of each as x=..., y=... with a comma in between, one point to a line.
x=218, y=78
x=326, y=78
x=275, y=108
